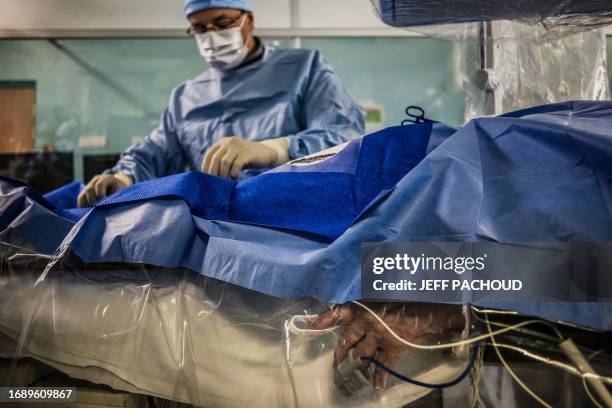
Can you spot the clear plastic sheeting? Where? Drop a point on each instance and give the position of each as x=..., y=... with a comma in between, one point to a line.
x=460, y=20
x=519, y=54
x=175, y=334
x=518, y=74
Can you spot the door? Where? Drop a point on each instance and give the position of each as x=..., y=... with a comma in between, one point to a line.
x=17, y=117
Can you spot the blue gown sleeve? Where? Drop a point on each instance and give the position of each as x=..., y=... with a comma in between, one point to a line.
x=158, y=155
x=329, y=114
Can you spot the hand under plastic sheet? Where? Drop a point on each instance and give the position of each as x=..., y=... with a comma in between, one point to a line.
x=363, y=332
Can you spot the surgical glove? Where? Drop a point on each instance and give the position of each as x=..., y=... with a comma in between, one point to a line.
x=230, y=155
x=363, y=333
x=101, y=186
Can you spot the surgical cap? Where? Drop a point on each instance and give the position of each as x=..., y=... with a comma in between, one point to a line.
x=192, y=6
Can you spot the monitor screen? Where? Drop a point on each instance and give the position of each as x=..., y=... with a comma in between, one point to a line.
x=44, y=171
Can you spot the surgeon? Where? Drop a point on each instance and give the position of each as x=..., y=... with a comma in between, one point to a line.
x=256, y=107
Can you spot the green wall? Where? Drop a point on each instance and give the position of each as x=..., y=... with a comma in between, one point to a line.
x=397, y=72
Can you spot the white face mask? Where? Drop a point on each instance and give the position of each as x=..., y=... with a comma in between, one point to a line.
x=223, y=49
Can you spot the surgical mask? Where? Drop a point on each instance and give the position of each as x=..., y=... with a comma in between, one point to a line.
x=223, y=49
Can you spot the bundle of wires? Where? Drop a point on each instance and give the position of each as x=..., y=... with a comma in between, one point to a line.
x=475, y=341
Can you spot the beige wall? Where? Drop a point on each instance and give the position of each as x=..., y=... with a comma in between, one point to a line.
x=17, y=108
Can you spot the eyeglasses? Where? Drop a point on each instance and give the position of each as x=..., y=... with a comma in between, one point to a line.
x=221, y=24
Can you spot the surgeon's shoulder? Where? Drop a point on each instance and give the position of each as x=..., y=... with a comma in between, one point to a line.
x=189, y=89
x=179, y=89
x=297, y=55
x=182, y=97
x=189, y=85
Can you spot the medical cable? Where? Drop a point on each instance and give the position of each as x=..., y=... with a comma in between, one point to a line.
x=586, y=386
x=511, y=312
x=543, y=322
x=294, y=329
x=555, y=363
x=511, y=372
x=584, y=367
x=402, y=377
x=444, y=345
x=558, y=364
x=495, y=311
x=531, y=333
x=573, y=370
x=588, y=392
x=471, y=340
x=491, y=334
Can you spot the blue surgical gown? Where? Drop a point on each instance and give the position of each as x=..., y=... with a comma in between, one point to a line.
x=290, y=93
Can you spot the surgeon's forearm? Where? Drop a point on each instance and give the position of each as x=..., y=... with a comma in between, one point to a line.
x=314, y=140
x=159, y=154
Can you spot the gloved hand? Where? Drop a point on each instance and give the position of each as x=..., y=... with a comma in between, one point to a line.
x=414, y=322
x=230, y=155
x=101, y=186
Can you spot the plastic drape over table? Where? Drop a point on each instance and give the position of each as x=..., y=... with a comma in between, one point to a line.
x=461, y=20
x=170, y=290
x=181, y=336
x=553, y=185
x=528, y=70
x=516, y=54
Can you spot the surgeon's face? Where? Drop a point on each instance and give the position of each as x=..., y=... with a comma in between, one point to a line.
x=221, y=19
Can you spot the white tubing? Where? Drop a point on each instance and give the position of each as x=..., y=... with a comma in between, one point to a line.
x=571, y=351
